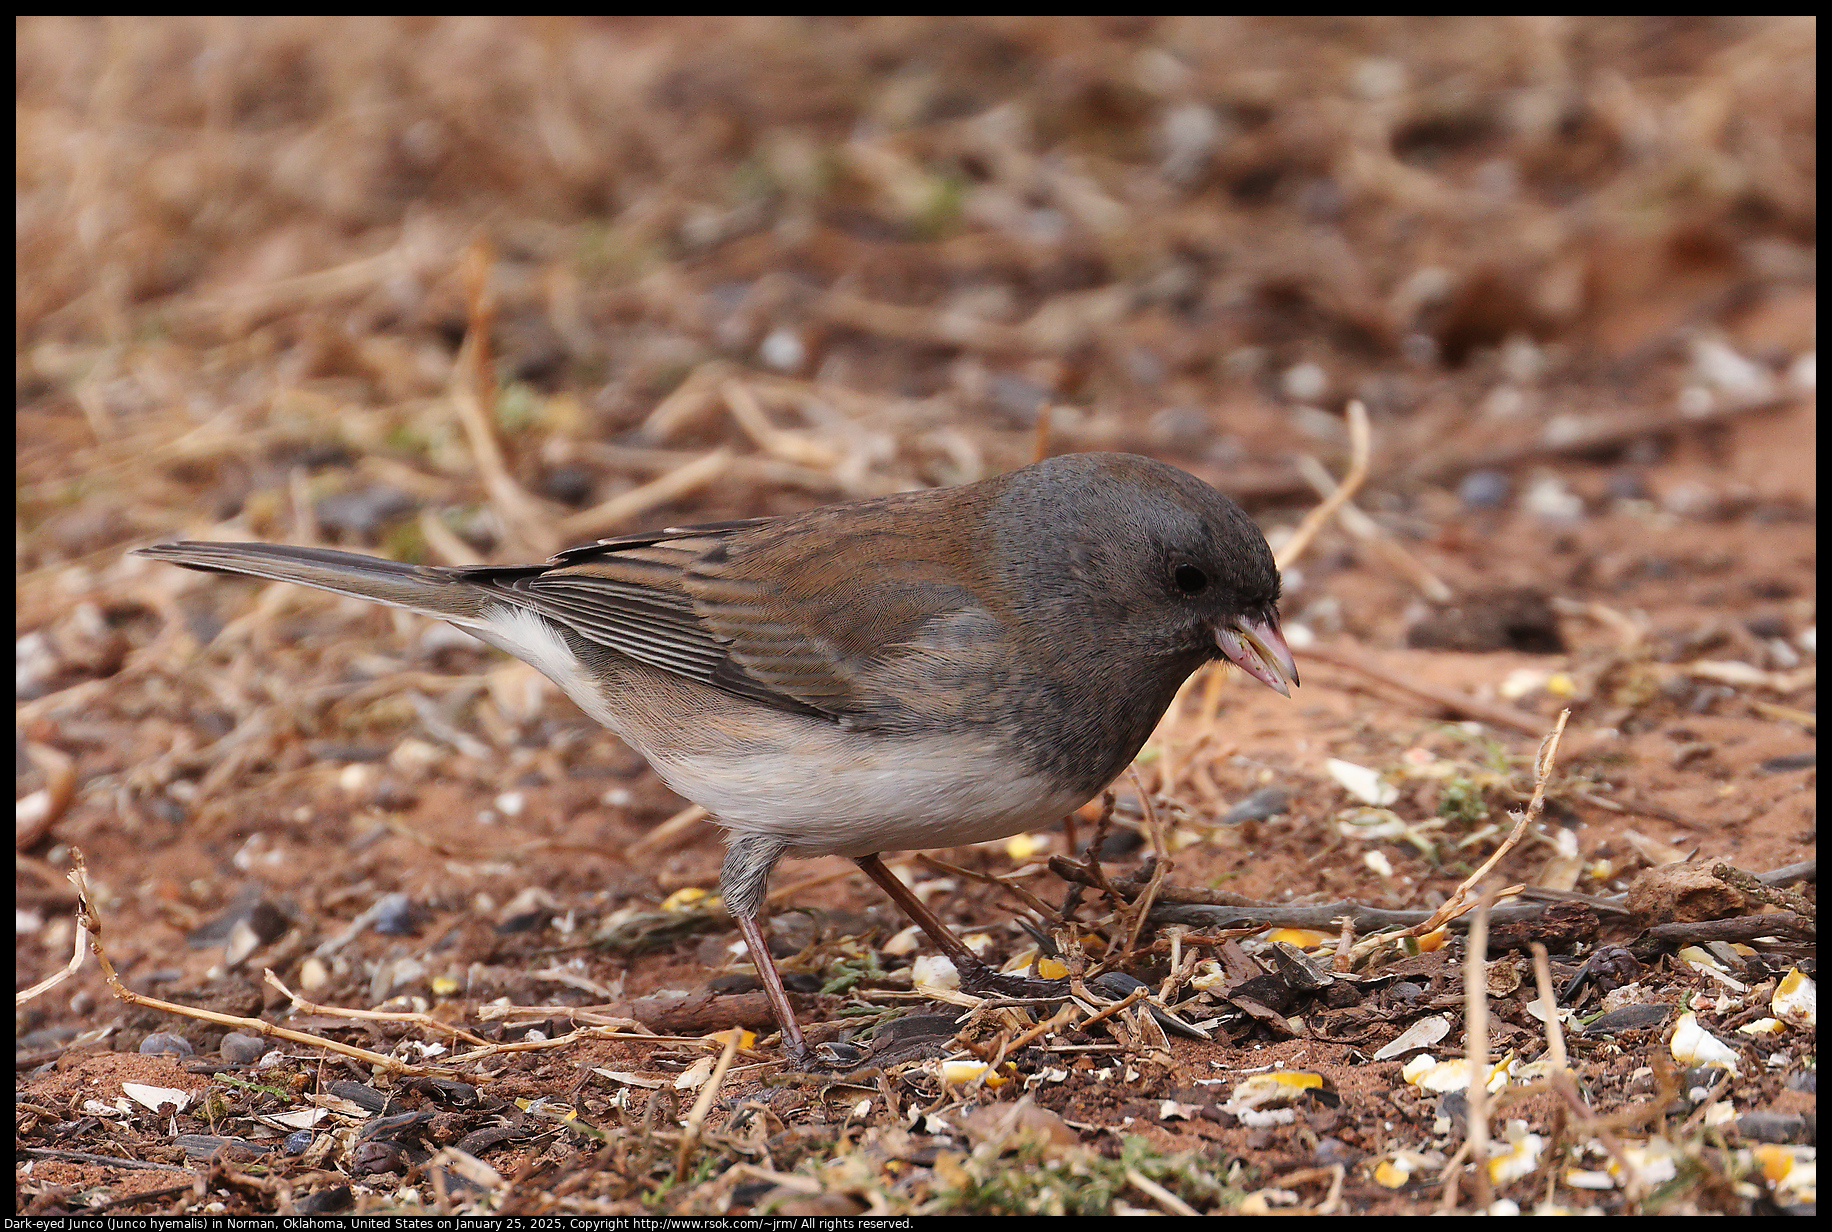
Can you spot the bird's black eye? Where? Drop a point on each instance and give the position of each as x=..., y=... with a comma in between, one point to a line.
x=1189, y=579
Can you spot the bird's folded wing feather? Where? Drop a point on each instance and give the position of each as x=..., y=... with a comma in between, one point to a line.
x=759, y=610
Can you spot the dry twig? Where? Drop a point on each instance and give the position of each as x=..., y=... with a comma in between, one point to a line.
x=92, y=924
x=1372, y=533
x=408, y=1016
x=1160, y=866
x=1359, y=450
x=1049, y=914
x=1458, y=902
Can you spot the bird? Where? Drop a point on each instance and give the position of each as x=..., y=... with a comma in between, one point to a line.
x=925, y=669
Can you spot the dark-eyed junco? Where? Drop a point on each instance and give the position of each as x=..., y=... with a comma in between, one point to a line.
x=921, y=670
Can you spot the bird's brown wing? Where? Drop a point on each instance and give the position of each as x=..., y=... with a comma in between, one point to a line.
x=869, y=627
x=866, y=619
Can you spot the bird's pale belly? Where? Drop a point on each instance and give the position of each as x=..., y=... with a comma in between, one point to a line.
x=901, y=794
x=825, y=790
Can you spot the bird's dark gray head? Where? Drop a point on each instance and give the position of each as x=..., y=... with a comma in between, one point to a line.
x=1136, y=539
x=1136, y=552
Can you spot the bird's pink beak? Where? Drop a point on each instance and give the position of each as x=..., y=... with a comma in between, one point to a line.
x=1258, y=649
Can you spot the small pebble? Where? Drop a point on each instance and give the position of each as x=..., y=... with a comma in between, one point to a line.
x=1721, y=368
x=1332, y=1151
x=1306, y=382
x=1522, y=360
x=1144, y=367
x=1453, y=1106
x=241, y=1048
x=1187, y=137
x=363, y=512
x=1690, y=500
x=1121, y=844
x=1803, y=373
x=393, y=915
x=1768, y=624
x=1483, y=489
x=167, y=1044
x=1183, y=427
x=1625, y=485
x=1549, y=498
x=1697, y=1081
x=1420, y=350
x=326, y=1201
x=1262, y=804
x=783, y=350
x=1760, y=1126
x=1016, y=396
x=570, y=484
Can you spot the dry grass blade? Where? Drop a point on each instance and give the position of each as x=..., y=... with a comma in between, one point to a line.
x=1160, y=850
x=1370, y=532
x=696, y=1119
x=1360, y=447
x=789, y=889
x=1046, y=912
x=445, y=545
x=1590, y=438
x=1787, y=714
x=69, y=969
x=1476, y=1047
x=668, y=831
x=626, y=507
x=927, y=326
x=1542, y=775
x=1742, y=675
x=626, y=1029
x=473, y=391
x=793, y=447
x=586, y=1014
x=1459, y=900
x=1172, y=1204
x=468, y=1166
x=35, y=814
x=691, y=399
x=1548, y=1001
x=1061, y=1018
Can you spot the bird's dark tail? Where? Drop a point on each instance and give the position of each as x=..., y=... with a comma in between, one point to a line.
x=443, y=593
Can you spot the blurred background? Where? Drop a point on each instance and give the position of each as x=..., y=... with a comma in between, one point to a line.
x=464, y=290
x=243, y=248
